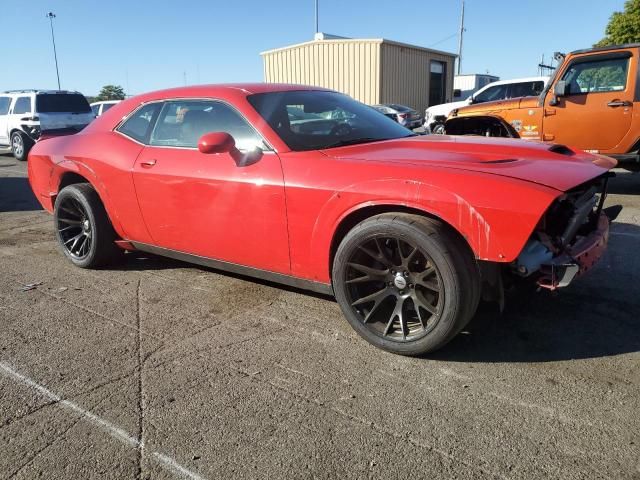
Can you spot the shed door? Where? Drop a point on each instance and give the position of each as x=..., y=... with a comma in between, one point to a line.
x=437, y=83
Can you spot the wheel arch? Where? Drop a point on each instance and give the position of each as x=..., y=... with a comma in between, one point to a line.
x=70, y=173
x=466, y=125
x=358, y=215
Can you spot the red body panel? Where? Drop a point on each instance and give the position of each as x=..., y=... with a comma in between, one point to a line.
x=281, y=213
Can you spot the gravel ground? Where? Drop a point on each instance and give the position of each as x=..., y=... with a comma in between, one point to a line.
x=159, y=369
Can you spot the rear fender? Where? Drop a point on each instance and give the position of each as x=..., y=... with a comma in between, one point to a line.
x=80, y=168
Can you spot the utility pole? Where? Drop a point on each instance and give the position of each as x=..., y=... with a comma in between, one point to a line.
x=51, y=16
x=317, y=16
x=460, y=40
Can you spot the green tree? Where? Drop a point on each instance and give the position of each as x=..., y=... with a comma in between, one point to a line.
x=623, y=27
x=111, y=92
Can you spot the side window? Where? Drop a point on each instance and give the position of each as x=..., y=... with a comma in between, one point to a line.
x=597, y=76
x=23, y=105
x=138, y=126
x=4, y=105
x=497, y=92
x=182, y=122
x=107, y=106
x=95, y=109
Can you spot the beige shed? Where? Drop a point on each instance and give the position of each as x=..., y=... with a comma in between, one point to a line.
x=372, y=71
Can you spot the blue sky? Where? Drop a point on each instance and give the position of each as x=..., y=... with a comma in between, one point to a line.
x=146, y=45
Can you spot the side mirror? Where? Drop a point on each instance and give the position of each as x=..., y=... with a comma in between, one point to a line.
x=217, y=142
x=470, y=100
x=222, y=142
x=561, y=89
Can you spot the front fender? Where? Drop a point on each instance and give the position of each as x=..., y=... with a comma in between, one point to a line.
x=496, y=216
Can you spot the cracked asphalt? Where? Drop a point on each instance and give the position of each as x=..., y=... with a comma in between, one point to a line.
x=159, y=369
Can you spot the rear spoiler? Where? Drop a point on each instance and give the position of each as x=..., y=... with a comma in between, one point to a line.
x=59, y=132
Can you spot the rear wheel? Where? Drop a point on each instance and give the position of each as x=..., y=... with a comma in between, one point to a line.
x=83, y=229
x=438, y=129
x=20, y=145
x=405, y=283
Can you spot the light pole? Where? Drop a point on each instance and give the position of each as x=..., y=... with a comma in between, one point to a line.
x=460, y=39
x=51, y=16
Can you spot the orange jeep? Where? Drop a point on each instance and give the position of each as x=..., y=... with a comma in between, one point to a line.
x=592, y=103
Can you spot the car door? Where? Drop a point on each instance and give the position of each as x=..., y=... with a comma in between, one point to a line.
x=5, y=101
x=22, y=107
x=205, y=204
x=597, y=110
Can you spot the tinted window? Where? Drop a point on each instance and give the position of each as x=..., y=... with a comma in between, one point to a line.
x=597, y=76
x=95, y=109
x=138, y=126
x=107, y=106
x=182, y=122
x=526, y=89
x=62, y=103
x=497, y=92
x=340, y=119
x=23, y=105
x=4, y=105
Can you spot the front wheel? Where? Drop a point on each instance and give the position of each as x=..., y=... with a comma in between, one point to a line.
x=20, y=145
x=405, y=283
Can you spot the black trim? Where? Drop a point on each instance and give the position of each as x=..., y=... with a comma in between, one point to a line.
x=603, y=49
x=324, y=288
x=626, y=158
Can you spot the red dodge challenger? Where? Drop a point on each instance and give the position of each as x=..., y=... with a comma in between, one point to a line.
x=309, y=188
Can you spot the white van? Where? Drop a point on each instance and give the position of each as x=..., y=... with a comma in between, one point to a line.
x=25, y=114
x=436, y=115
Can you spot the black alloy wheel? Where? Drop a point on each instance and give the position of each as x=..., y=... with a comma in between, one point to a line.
x=395, y=288
x=406, y=283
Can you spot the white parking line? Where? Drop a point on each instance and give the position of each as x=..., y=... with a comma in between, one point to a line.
x=116, y=432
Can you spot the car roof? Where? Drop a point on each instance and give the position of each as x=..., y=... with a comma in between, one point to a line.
x=224, y=90
x=35, y=90
x=102, y=102
x=520, y=80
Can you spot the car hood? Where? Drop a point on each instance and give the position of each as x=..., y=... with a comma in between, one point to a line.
x=554, y=166
x=499, y=105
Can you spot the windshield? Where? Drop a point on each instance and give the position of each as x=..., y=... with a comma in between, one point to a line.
x=62, y=103
x=314, y=120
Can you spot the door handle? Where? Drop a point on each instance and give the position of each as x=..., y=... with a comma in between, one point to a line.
x=148, y=163
x=618, y=103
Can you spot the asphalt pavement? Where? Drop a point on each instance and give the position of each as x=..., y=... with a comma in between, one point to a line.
x=159, y=369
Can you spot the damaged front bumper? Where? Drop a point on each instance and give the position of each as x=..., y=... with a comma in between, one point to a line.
x=577, y=259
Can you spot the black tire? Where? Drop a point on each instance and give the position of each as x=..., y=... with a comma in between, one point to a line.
x=20, y=145
x=79, y=214
x=438, y=129
x=450, y=296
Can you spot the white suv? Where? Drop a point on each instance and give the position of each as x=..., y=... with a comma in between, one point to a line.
x=436, y=115
x=25, y=114
x=99, y=108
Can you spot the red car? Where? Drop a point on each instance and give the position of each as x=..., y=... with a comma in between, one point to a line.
x=309, y=188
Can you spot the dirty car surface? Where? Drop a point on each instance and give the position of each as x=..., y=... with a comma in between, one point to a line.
x=408, y=232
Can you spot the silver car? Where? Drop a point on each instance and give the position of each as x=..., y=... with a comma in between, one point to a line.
x=405, y=116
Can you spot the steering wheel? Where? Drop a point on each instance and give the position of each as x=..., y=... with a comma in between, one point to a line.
x=341, y=129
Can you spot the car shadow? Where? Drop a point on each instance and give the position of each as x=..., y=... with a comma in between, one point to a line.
x=16, y=195
x=597, y=316
x=625, y=183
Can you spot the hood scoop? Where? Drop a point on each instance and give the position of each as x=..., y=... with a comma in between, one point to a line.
x=561, y=150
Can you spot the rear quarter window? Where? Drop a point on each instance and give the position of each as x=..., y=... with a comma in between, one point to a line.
x=139, y=125
x=23, y=105
x=4, y=105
